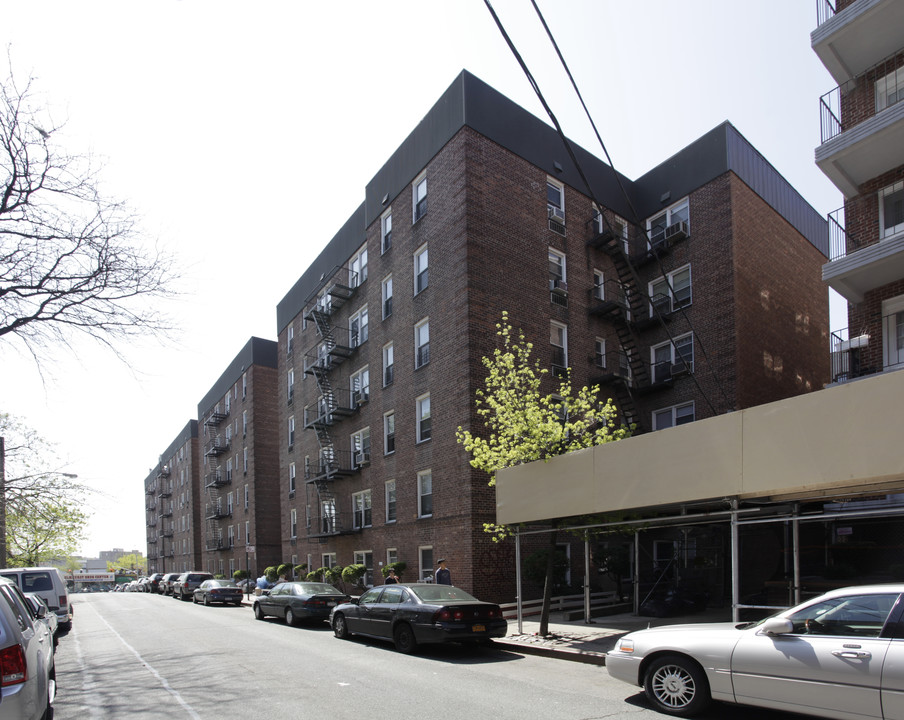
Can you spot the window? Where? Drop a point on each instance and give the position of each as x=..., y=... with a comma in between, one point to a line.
x=555, y=200
x=890, y=89
x=328, y=517
x=425, y=563
x=246, y=496
x=387, y=297
x=360, y=442
x=388, y=364
x=421, y=343
x=230, y=504
x=423, y=418
x=425, y=493
x=328, y=560
x=598, y=292
x=600, y=354
x=419, y=197
x=366, y=558
x=891, y=209
x=846, y=616
x=357, y=268
x=244, y=423
x=361, y=509
x=666, y=226
x=244, y=385
x=358, y=328
x=293, y=523
x=558, y=338
x=386, y=231
x=290, y=386
x=389, y=433
x=360, y=387
x=669, y=359
x=672, y=416
x=421, y=269
x=671, y=292
x=390, y=501
x=392, y=555
x=290, y=340
x=245, y=460
x=229, y=470
x=291, y=431
x=292, y=479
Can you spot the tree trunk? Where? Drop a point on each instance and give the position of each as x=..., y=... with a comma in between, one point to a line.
x=547, y=584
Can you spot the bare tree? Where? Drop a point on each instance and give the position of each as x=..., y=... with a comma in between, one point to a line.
x=71, y=259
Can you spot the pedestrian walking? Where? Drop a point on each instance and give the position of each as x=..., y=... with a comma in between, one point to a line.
x=443, y=576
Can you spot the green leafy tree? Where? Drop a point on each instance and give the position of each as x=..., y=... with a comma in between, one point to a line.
x=524, y=423
x=399, y=568
x=353, y=574
x=43, y=506
x=130, y=561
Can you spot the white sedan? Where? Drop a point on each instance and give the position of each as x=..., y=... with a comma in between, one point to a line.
x=840, y=655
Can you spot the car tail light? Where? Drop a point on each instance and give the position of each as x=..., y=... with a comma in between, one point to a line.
x=12, y=666
x=62, y=601
x=447, y=614
x=314, y=603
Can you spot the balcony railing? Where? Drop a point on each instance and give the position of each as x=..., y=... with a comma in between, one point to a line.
x=862, y=98
x=867, y=350
x=341, y=462
x=825, y=10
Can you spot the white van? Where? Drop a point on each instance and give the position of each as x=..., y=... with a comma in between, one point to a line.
x=47, y=582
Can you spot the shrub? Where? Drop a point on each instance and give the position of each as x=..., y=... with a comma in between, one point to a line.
x=399, y=568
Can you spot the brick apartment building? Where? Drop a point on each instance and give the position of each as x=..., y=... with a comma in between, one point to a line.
x=239, y=478
x=695, y=292
x=861, y=43
x=172, y=492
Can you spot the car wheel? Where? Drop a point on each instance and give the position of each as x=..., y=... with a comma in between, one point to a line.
x=340, y=627
x=677, y=686
x=51, y=696
x=290, y=617
x=258, y=613
x=194, y=599
x=404, y=639
x=238, y=603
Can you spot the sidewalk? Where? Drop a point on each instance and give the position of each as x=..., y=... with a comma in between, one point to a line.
x=580, y=642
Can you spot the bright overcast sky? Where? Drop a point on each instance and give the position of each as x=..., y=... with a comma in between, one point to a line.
x=226, y=125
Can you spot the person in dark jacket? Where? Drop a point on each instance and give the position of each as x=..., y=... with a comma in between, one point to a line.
x=443, y=576
x=392, y=578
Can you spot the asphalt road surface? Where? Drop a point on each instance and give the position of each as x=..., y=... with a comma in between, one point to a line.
x=135, y=655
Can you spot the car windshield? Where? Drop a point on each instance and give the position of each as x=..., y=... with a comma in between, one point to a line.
x=440, y=593
x=316, y=589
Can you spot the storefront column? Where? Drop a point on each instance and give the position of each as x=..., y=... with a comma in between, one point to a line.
x=636, y=579
x=795, y=552
x=735, y=571
x=587, y=618
x=518, y=582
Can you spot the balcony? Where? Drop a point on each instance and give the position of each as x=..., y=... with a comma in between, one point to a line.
x=336, y=523
x=214, y=543
x=343, y=403
x=166, y=532
x=216, y=479
x=855, y=38
x=862, y=126
x=217, y=511
x=856, y=265
x=338, y=290
x=327, y=355
x=868, y=350
x=217, y=446
x=165, y=490
x=163, y=472
x=216, y=417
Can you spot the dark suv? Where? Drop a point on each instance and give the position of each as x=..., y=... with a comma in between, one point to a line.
x=152, y=583
x=184, y=587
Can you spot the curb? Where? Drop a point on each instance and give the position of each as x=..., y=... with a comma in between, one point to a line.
x=560, y=653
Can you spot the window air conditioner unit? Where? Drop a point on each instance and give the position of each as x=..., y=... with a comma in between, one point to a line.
x=676, y=231
x=556, y=214
x=680, y=368
x=362, y=458
x=559, y=287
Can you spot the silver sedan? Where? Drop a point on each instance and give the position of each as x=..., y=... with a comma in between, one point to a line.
x=840, y=655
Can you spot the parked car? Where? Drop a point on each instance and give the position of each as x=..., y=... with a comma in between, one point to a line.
x=419, y=613
x=217, y=591
x=840, y=655
x=165, y=586
x=40, y=611
x=26, y=658
x=186, y=583
x=47, y=582
x=295, y=601
x=152, y=582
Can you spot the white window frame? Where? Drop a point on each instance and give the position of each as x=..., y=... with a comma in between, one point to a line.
x=357, y=268
x=245, y=460
x=551, y=205
x=392, y=501
x=386, y=300
x=290, y=386
x=422, y=414
x=894, y=230
x=293, y=523
x=674, y=355
x=668, y=289
x=673, y=415
x=360, y=446
x=891, y=84
x=392, y=555
x=362, y=509
x=388, y=364
x=557, y=261
x=421, y=259
x=421, y=477
x=328, y=559
x=553, y=325
x=600, y=352
x=675, y=212
x=599, y=285
x=246, y=498
x=361, y=317
x=293, y=479
x=418, y=196
x=386, y=231
x=421, y=356
x=291, y=428
x=388, y=432
x=359, y=386
x=366, y=558
x=290, y=340
x=425, y=570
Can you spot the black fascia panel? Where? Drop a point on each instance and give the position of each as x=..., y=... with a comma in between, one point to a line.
x=336, y=254
x=257, y=351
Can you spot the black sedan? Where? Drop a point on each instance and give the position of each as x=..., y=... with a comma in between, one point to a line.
x=297, y=601
x=419, y=613
x=217, y=591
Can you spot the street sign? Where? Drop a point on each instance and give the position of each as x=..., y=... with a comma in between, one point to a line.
x=249, y=549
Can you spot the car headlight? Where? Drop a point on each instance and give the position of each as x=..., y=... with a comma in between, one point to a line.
x=625, y=645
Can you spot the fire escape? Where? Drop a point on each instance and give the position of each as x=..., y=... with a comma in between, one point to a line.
x=625, y=303
x=216, y=507
x=150, y=507
x=335, y=346
x=165, y=510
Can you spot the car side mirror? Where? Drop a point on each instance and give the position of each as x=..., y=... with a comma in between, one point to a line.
x=41, y=612
x=776, y=626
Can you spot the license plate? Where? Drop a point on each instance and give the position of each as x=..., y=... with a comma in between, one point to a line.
x=478, y=628
x=331, y=604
